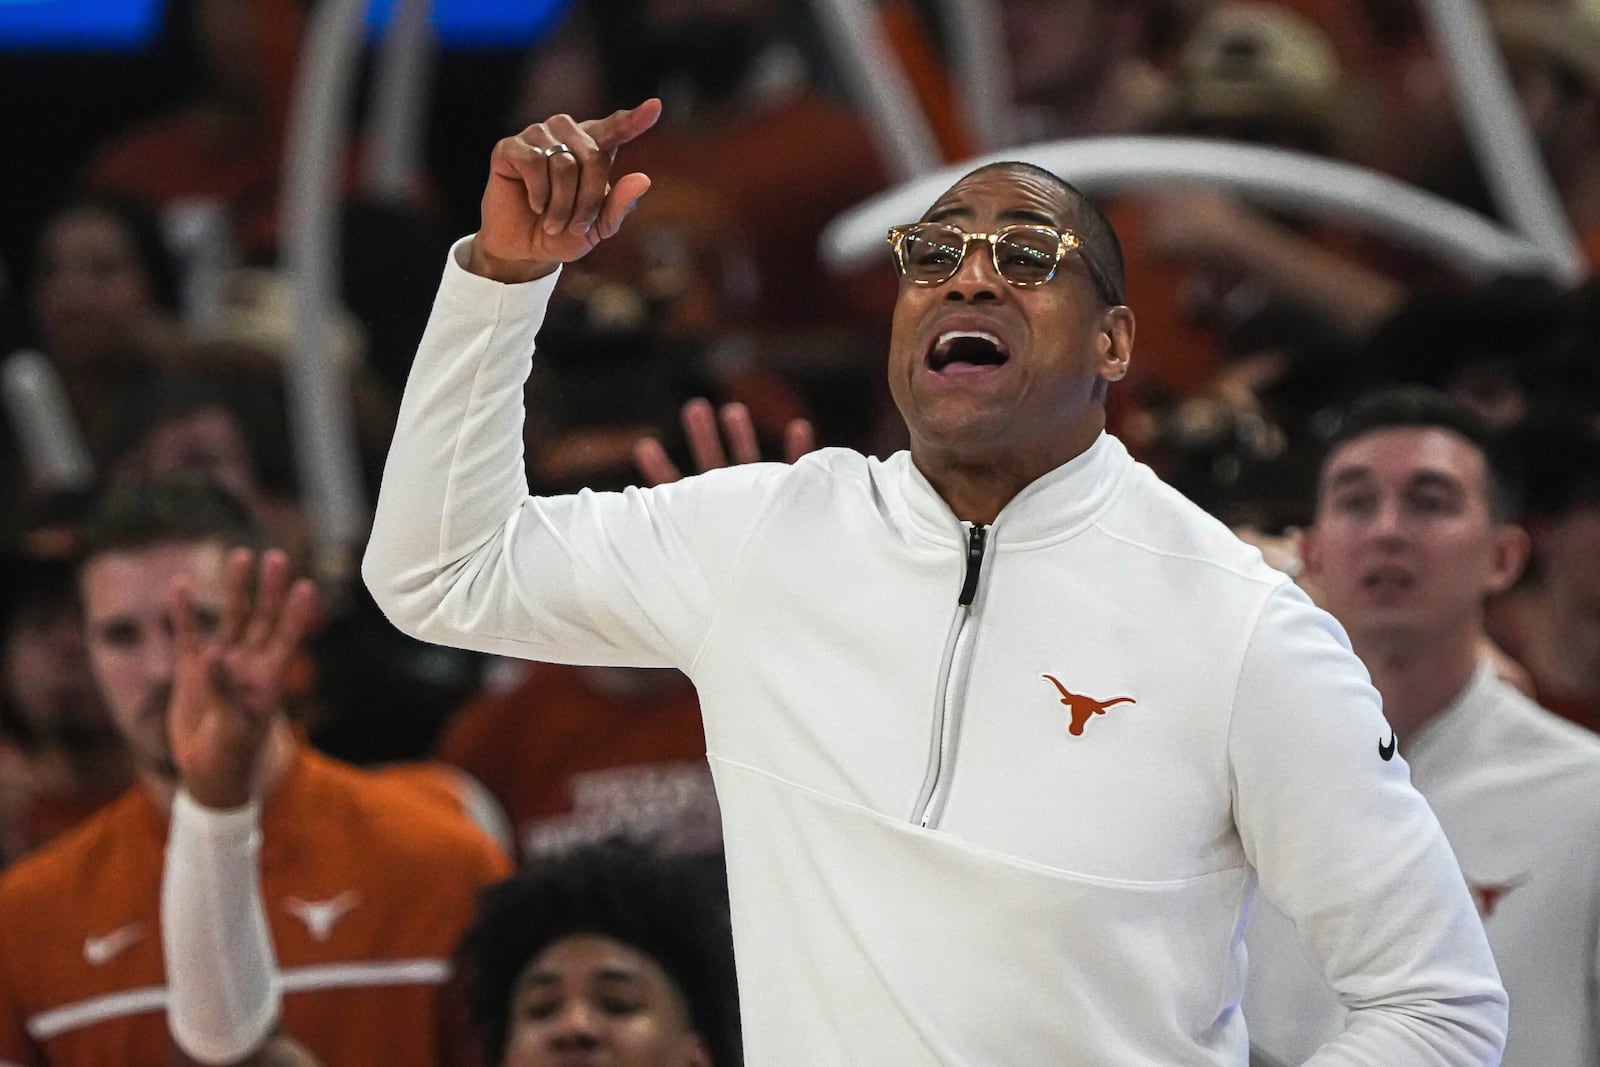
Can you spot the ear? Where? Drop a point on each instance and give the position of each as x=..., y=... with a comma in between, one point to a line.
x=1511, y=547
x=1310, y=547
x=1115, y=342
x=696, y=1052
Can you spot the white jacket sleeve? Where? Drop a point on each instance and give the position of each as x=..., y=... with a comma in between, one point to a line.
x=1353, y=855
x=460, y=554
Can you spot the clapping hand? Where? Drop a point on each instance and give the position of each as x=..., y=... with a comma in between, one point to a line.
x=228, y=685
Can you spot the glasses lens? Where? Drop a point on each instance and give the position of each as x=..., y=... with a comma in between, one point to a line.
x=1027, y=256
x=932, y=253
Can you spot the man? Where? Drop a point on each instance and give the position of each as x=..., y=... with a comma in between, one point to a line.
x=610, y=952
x=1003, y=730
x=61, y=759
x=365, y=884
x=1412, y=532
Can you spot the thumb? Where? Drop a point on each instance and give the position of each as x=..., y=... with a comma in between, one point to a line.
x=620, y=202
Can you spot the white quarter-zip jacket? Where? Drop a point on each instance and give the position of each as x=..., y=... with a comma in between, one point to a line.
x=1517, y=791
x=989, y=796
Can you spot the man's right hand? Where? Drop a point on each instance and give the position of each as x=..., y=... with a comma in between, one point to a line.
x=543, y=208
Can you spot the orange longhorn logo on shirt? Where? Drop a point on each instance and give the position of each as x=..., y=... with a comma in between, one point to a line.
x=1486, y=895
x=1083, y=707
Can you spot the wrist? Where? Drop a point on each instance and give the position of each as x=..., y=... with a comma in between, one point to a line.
x=240, y=821
x=226, y=792
x=506, y=271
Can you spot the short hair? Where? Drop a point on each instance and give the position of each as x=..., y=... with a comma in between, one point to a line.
x=671, y=908
x=1423, y=407
x=142, y=226
x=144, y=514
x=1088, y=222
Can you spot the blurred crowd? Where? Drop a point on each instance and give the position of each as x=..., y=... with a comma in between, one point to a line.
x=148, y=332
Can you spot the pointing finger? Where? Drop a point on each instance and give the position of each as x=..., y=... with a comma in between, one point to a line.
x=623, y=125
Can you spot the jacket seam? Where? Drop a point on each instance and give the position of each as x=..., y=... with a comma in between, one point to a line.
x=1271, y=580
x=1233, y=695
x=473, y=396
x=722, y=599
x=1065, y=874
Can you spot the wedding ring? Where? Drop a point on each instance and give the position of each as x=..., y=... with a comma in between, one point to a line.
x=556, y=149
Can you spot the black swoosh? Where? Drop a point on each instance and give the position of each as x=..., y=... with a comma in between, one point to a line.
x=1386, y=752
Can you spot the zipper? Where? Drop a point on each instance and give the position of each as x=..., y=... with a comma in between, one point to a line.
x=952, y=687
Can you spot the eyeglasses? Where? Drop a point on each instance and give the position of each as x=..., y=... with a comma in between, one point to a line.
x=930, y=253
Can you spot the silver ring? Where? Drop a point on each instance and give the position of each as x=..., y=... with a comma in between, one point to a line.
x=556, y=149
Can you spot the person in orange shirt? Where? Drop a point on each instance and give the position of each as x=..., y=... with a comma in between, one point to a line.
x=366, y=882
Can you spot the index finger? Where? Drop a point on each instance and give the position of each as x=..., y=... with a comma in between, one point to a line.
x=622, y=125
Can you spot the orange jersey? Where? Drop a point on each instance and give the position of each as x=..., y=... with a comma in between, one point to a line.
x=368, y=883
x=570, y=761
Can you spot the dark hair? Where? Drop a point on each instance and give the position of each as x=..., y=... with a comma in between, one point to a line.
x=1088, y=221
x=1420, y=406
x=142, y=226
x=144, y=514
x=671, y=908
x=249, y=390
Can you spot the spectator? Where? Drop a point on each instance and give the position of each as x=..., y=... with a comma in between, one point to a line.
x=577, y=754
x=226, y=144
x=365, y=883
x=103, y=302
x=1551, y=620
x=1412, y=532
x=61, y=759
x=1553, y=48
x=606, y=952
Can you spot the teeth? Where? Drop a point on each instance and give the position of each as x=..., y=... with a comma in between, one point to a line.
x=956, y=335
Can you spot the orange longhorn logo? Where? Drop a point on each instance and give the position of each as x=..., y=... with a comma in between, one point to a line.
x=1083, y=707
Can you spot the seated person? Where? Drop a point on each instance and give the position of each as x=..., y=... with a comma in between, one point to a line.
x=364, y=884
x=607, y=951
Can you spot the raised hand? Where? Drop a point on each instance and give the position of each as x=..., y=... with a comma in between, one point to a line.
x=706, y=445
x=550, y=197
x=227, y=686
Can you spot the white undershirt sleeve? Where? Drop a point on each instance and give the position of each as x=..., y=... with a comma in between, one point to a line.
x=222, y=982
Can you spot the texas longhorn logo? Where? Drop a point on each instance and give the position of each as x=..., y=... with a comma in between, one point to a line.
x=1083, y=707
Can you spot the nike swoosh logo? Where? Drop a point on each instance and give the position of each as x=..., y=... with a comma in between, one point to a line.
x=101, y=950
x=1386, y=752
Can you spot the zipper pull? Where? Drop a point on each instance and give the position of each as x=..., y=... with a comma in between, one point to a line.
x=969, y=587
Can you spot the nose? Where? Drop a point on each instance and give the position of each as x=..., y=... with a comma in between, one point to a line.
x=1388, y=521
x=156, y=656
x=975, y=279
x=577, y=1026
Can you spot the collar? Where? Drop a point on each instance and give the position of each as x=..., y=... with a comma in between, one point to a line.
x=156, y=818
x=1057, y=505
x=1446, y=739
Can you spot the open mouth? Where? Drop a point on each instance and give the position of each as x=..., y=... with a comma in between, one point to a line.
x=962, y=351
x=1387, y=580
